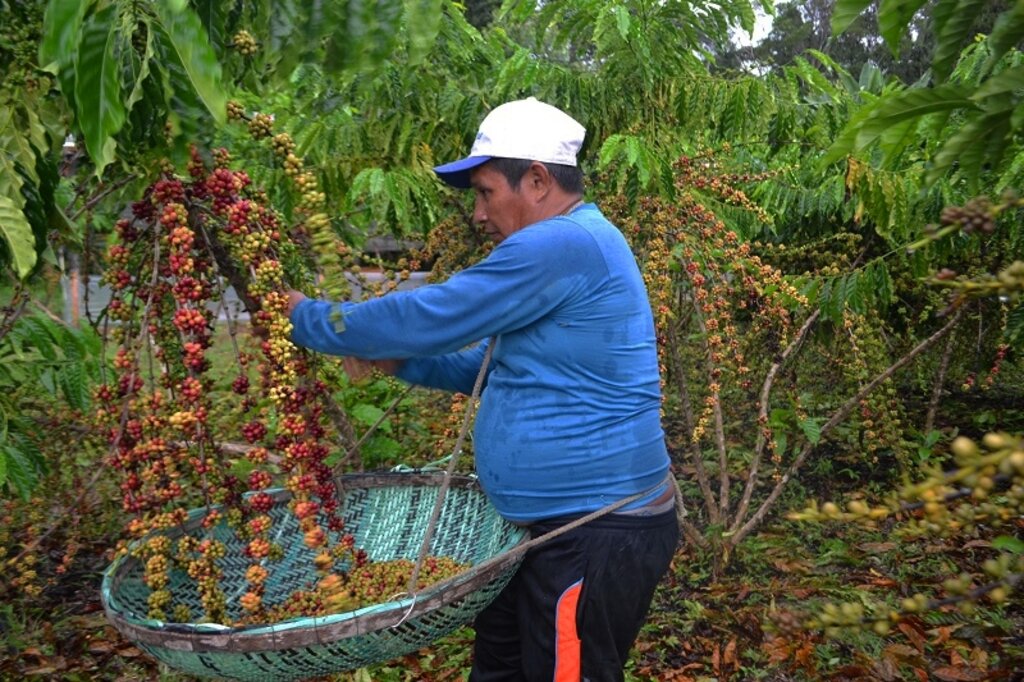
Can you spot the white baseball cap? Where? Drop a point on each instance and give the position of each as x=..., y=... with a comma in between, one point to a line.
x=523, y=129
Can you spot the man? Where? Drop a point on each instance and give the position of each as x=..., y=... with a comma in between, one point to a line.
x=569, y=419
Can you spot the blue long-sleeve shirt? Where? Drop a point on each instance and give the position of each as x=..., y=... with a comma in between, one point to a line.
x=569, y=419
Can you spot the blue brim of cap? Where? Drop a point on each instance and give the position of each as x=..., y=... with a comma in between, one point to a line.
x=456, y=173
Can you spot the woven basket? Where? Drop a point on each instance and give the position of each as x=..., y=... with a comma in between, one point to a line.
x=388, y=515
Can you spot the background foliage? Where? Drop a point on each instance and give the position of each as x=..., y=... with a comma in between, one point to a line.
x=832, y=151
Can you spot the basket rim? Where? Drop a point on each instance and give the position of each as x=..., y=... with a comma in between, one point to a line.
x=312, y=630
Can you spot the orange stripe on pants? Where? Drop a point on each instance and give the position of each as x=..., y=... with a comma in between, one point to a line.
x=567, y=641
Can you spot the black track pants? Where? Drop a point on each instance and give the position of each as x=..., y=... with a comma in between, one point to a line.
x=577, y=602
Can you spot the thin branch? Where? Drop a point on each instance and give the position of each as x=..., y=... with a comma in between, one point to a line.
x=716, y=410
x=38, y=540
x=101, y=195
x=225, y=265
x=137, y=343
x=692, y=533
x=83, y=271
x=39, y=305
x=229, y=314
x=762, y=416
x=841, y=414
x=689, y=422
x=380, y=420
x=343, y=425
x=938, y=605
x=14, y=310
x=80, y=191
x=940, y=380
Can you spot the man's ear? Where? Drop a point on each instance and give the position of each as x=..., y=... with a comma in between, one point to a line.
x=538, y=179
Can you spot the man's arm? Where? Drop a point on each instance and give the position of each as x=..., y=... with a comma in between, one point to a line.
x=356, y=368
x=452, y=372
x=523, y=279
x=293, y=300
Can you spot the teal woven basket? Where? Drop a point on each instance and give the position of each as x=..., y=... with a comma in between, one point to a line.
x=388, y=515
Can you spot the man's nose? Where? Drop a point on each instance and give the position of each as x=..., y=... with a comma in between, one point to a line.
x=479, y=214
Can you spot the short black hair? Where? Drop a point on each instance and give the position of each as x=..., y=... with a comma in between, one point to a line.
x=569, y=178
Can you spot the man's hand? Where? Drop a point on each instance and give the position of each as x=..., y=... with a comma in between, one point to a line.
x=293, y=300
x=359, y=369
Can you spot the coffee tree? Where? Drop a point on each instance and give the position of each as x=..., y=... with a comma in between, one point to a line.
x=984, y=491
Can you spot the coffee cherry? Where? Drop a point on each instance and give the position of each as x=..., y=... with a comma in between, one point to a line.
x=244, y=43
x=240, y=385
x=254, y=431
x=261, y=125
x=261, y=502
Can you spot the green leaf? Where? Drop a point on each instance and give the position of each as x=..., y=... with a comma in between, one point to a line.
x=380, y=449
x=622, y=20
x=62, y=25
x=392, y=197
x=17, y=232
x=846, y=12
x=22, y=474
x=187, y=113
x=828, y=62
x=1004, y=82
x=781, y=442
x=893, y=17
x=811, y=429
x=16, y=153
x=632, y=150
x=36, y=134
x=845, y=143
x=1015, y=324
x=981, y=140
x=73, y=385
x=780, y=418
x=422, y=23
x=48, y=380
x=950, y=39
x=871, y=78
x=367, y=414
x=832, y=299
x=191, y=48
x=747, y=17
x=941, y=13
x=362, y=34
x=883, y=286
x=213, y=17
x=1006, y=33
x=907, y=105
x=821, y=291
x=140, y=71
x=817, y=82
x=851, y=293
x=897, y=137
x=610, y=149
x=285, y=43
x=1017, y=119
x=39, y=333
x=1007, y=543
x=99, y=109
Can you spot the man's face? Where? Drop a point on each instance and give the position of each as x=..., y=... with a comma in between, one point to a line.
x=498, y=208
